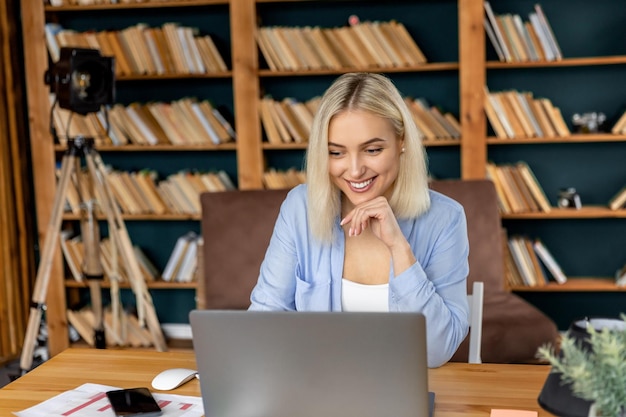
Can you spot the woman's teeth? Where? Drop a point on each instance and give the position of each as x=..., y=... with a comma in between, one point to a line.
x=361, y=184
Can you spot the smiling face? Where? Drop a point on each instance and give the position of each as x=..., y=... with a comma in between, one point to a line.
x=364, y=155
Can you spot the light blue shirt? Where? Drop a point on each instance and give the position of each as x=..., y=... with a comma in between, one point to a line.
x=299, y=273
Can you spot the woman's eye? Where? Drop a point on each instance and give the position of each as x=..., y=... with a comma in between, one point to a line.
x=334, y=153
x=373, y=151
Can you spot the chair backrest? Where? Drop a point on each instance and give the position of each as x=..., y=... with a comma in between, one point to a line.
x=484, y=229
x=475, y=301
x=236, y=227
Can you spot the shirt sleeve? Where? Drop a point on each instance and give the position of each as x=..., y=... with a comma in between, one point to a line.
x=276, y=286
x=436, y=285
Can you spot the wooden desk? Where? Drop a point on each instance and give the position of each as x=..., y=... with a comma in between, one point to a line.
x=461, y=389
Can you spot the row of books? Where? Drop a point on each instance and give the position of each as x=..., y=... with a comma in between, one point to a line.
x=287, y=120
x=58, y=3
x=618, y=200
x=276, y=180
x=139, y=192
x=144, y=50
x=620, y=276
x=620, y=126
x=513, y=115
x=360, y=45
x=290, y=120
x=180, y=122
x=517, y=188
x=129, y=331
x=516, y=40
x=182, y=263
x=432, y=122
x=529, y=263
x=112, y=265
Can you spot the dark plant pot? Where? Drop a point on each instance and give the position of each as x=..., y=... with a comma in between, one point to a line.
x=556, y=397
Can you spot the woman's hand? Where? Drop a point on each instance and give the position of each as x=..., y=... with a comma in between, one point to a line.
x=378, y=216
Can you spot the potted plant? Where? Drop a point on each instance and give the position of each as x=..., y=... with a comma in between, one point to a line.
x=594, y=367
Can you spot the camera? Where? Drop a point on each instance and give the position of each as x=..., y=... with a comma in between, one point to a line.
x=592, y=122
x=569, y=198
x=83, y=80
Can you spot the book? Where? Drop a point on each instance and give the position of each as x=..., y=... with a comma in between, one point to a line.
x=554, y=45
x=494, y=40
x=618, y=200
x=548, y=260
x=269, y=126
x=548, y=53
x=497, y=32
x=620, y=276
x=533, y=185
x=175, y=260
x=189, y=262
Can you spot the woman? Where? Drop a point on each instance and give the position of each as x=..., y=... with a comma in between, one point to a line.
x=366, y=233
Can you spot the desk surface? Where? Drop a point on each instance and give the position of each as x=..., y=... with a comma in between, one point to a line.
x=461, y=389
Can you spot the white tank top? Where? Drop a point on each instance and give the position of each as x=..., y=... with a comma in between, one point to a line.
x=362, y=297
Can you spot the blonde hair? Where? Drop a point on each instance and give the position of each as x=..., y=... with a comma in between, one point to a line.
x=374, y=93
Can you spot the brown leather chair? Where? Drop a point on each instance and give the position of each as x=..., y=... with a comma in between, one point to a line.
x=236, y=229
x=237, y=225
x=513, y=329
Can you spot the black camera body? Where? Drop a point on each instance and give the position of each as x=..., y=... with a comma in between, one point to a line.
x=83, y=80
x=569, y=198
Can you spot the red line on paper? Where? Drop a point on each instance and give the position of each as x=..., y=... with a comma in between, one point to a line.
x=93, y=399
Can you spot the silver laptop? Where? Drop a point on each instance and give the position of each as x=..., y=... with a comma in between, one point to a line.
x=295, y=364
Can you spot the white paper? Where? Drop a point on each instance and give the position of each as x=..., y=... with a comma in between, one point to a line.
x=89, y=400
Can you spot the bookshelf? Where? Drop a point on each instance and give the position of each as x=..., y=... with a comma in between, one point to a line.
x=585, y=242
x=454, y=78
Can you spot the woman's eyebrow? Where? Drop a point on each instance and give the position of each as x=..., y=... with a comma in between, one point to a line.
x=366, y=143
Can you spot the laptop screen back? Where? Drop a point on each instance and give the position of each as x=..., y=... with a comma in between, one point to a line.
x=296, y=364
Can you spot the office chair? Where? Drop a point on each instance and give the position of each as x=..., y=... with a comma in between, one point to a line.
x=475, y=301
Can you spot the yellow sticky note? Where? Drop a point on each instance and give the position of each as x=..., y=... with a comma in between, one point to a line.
x=512, y=413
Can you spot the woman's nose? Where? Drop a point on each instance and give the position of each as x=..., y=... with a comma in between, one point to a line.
x=357, y=168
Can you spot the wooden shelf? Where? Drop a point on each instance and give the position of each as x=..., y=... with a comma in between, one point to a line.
x=159, y=148
x=154, y=285
x=586, y=212
x=144, y=77
x=136, y=5
x=576, y=138
x=566, y=62
x=575, y=284
x=436, y=66
x=143, y=217
x=289, y=146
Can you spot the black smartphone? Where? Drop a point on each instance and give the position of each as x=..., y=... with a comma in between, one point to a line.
x=134, y=402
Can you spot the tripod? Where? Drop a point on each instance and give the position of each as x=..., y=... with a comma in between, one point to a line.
x=92, y=269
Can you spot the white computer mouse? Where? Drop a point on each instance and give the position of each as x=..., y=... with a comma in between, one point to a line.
x=173, y=378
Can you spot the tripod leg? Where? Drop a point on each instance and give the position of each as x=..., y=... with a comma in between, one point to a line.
x=45, y=265
x=118, y=231
x=92, y=262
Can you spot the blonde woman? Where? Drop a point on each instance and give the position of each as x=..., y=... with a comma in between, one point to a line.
x=366, y=233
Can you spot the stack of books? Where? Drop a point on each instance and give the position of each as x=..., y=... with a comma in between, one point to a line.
x=277, y=180
x=288, y=120
x=517, y=188
x=432, y=122
x=139, y=192
x=360, y=45
x=526, y=262
x=143, y=50
x=514, y=115
x=183, y=261
x=516, y=40
x=73, y=253
x=186, y=121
